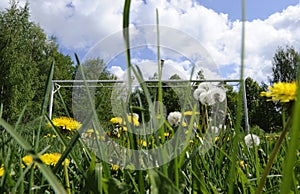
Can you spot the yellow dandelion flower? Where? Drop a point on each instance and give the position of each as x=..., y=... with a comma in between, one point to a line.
x=27, y=159
x=50, y=135
x=282, y=91
x=242, y=164
x=2, y=170
x=108, y=133
x=116, y=120
x=66, y=123
x=52, y=159
x=144, y=143
x=134, y=120
x=184, y=124
x=131, y=119
x=190, y=113
x=48, y=159
x=217, y=138
x=268, y=137
x=91, y=133
x=115, y=167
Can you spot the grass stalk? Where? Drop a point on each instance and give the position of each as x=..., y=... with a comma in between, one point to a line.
x=272, y=157
x=233, y=169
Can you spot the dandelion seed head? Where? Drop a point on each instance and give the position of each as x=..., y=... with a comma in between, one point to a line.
x=209, y=94
x=252, y=140
x=174, y=118
x=218, y=94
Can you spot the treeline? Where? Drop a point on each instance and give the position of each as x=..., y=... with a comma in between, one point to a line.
x=26, y=54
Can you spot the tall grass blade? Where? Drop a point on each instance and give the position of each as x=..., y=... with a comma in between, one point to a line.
x=44, y=105
x=18, y=138
x=53, y=181
x=272, y=157
x=1, y=109
x=233, y=169
x=98, y=175
x=161, y=183
x=293, y=145
x=126, y=14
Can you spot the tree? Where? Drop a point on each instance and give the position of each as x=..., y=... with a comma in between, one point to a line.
x=232, y=98
x=285, y=65
x=268, y=114
x=171, y=95
x=285, y=69
x=175, y=77
x=26, y=55
x=260, y=112
x=200, y=75
x=253, y=96
x=96, y=69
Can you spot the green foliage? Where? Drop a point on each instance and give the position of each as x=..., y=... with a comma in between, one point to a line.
x=96, y=69
x=25, y=58
x=200, y=75
x=231, y=96
x=172, y=93
x=160, y=183
x=285, y=65
x=261, y=113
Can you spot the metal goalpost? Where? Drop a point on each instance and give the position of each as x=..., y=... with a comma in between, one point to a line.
x=70, y=83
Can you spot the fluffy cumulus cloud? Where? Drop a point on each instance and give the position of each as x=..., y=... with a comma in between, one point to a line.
x=79, y=25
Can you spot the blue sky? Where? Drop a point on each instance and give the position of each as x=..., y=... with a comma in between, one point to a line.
x=215, y=25
x=255, y=9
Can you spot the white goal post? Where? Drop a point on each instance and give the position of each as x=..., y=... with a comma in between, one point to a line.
x=69, y=83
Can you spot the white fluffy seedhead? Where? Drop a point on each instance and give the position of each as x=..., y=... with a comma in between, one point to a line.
x=174, y=118
x=252, y=140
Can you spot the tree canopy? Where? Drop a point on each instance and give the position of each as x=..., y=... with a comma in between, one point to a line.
x=26, y=54
x=285, y=65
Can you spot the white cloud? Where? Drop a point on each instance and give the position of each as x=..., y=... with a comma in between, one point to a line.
x=80, y=24
x=117, y=71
